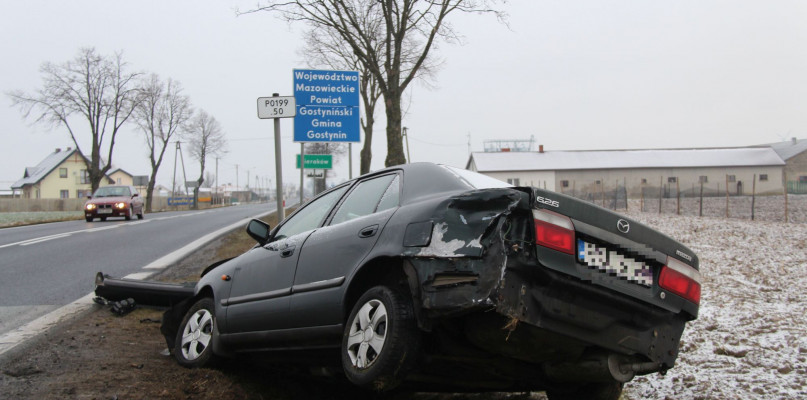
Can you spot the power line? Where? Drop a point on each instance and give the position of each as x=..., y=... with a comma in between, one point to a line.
x=256, y=138
x=439, y=144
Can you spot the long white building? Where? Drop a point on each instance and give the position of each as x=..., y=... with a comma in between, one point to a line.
x=577, y=172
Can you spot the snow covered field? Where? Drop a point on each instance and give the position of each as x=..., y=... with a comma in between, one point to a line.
x=27, y=218
x=750, y=340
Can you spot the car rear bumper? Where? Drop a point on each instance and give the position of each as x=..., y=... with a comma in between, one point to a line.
x=159, y=294
x=546, y=309
x=585, y=312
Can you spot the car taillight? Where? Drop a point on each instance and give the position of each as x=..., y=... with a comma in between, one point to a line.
x=681, y=279
x=554, y=231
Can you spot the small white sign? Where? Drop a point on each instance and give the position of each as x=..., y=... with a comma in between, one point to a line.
x=315, y=173
x=276, y=107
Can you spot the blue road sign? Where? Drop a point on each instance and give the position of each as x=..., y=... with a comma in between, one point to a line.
x=180, y=201
x=327, y=106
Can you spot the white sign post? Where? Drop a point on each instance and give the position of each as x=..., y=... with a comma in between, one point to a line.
x=277, y=107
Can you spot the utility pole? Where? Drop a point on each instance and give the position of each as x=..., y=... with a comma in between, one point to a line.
x=469, y=144
x=184, y=175
x=174, y=181
x=406, y=135
x=216, y=189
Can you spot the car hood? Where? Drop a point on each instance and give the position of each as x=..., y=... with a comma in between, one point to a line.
x=115, y=199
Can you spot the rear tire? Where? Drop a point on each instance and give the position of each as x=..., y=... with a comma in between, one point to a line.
x=193, y=346
x=381, y=340
x=591, y=391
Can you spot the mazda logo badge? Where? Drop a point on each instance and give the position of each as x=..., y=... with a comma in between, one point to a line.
x=623, y=226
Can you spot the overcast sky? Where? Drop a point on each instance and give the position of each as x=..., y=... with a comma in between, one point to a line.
x=576, y=75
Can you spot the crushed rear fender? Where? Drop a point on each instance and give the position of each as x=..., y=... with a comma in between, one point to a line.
x=457, y=259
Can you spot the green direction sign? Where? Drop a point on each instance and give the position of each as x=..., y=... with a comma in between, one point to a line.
x=316, y=161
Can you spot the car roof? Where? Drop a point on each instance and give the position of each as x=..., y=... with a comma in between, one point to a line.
x=423, y=180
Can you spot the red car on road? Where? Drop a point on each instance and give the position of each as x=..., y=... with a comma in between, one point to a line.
x=114, y=201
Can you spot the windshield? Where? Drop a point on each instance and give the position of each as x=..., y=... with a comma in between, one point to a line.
x=476, y=180
x=112, y=191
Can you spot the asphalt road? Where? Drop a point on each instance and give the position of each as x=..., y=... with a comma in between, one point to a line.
x=43, y=267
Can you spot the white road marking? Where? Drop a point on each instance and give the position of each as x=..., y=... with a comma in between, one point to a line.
x=45, y=239
x=24, y=242
x=12, y=338
x=99, y=229
x=139, y=275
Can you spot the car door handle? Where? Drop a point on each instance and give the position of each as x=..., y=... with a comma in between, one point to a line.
x=287, y=252
x=368, y=231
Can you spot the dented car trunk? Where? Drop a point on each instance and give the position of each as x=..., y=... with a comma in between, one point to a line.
x=599, y=294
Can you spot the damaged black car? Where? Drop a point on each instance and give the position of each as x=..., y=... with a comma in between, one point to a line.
x=436, y=277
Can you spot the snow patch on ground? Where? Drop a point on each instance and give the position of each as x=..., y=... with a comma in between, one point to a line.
x=750, y=340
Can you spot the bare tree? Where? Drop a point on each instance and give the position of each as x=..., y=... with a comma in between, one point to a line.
x=205, y=138
x=324, y=47
x=210, y=179
x=91, y=87
x=162, y=114
x=393, y=49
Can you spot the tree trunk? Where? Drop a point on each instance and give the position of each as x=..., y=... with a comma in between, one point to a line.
x=319, y=184
x=366, y=150
x=199, y=184
x=395, y=153
x=150, y=190
x=93, y=169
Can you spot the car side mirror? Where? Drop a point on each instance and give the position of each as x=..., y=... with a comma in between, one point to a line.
x=135, y=195
x=259, y=231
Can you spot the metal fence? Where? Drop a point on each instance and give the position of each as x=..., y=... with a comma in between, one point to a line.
x=694, y=201
x=797, y=187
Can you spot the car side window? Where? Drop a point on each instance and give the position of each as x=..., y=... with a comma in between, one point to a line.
x=391, y=196
x=365, y=199
x=311, y=216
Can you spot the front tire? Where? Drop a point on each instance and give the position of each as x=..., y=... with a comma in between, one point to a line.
x=88, y=219
x=381, y=339
x=130, y=214
x=193, y=347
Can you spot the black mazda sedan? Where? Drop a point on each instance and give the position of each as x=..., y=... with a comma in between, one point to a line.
x=438, y=277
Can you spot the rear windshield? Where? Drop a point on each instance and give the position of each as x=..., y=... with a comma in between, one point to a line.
x=476, y=180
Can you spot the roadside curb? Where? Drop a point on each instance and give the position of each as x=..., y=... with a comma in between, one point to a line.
x=18, y=340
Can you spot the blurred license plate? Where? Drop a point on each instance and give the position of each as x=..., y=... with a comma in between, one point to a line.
x=104, y=211
x=614, y=264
